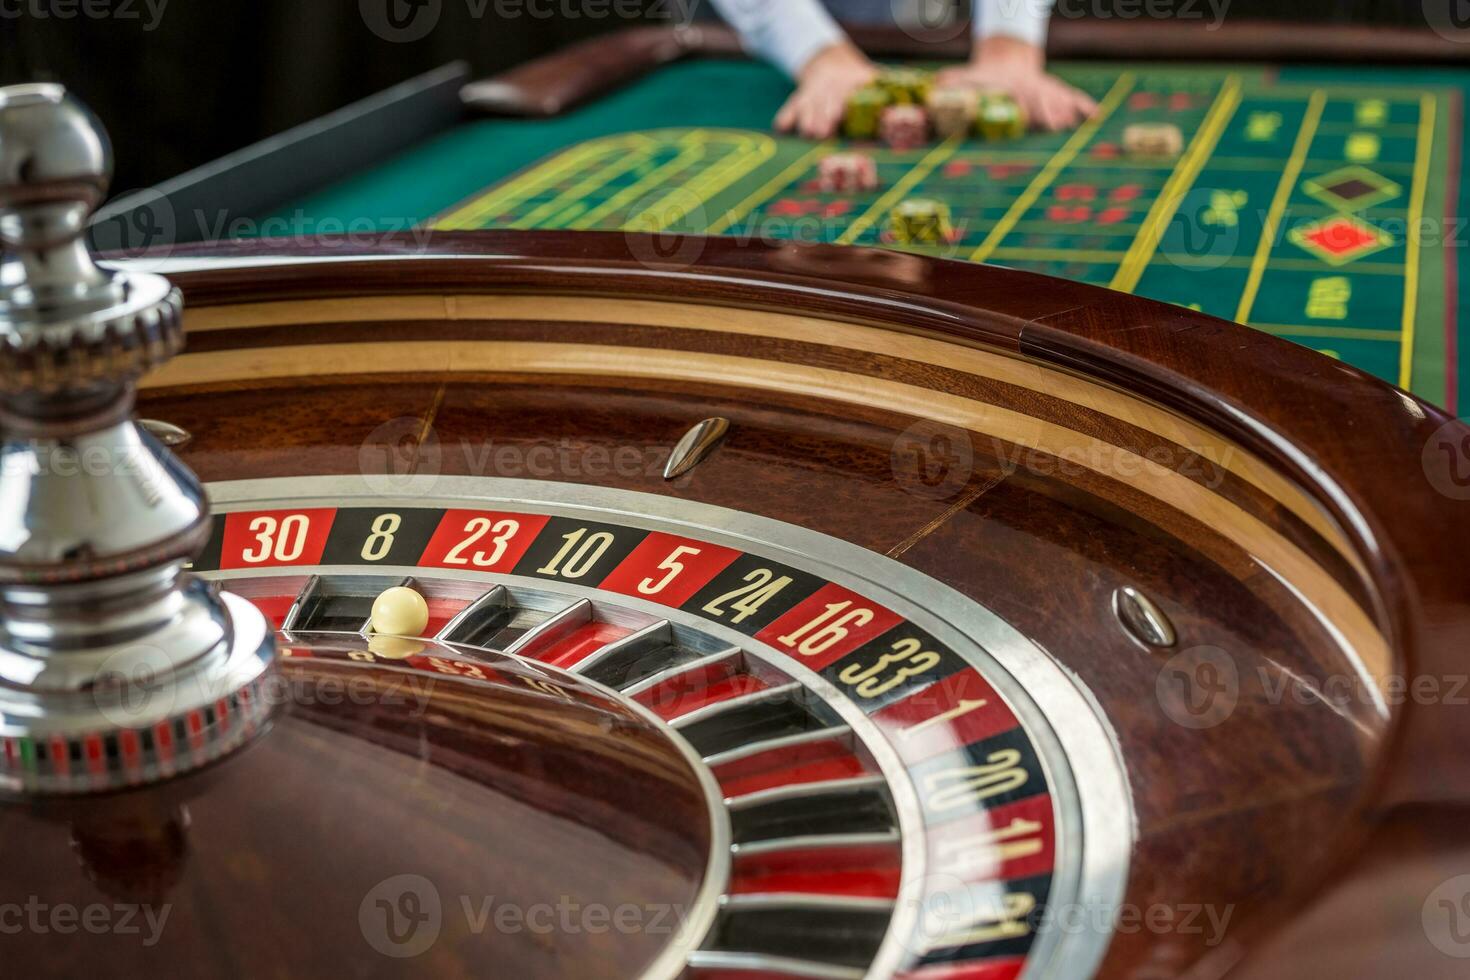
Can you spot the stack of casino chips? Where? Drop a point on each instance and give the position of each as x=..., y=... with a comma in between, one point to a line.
x=848, y=173
x=1000, y=118
x=1153, y=140
x=921, y=221
x=863, y=112
x=906, y=86
x=903, y=109
x=952, y=111
x=904, y=127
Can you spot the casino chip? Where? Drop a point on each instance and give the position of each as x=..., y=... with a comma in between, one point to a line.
x=1000, y=118
x=904, y=127
x=906, y=86
x=921, y=221
x=1153, y=140
x=848, y=172
x=952, y=111
x=860, y=122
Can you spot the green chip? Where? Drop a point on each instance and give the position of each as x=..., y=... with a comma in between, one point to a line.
x=921, y=220
x=1000, y=118
x=906, y=85
x=864, y=110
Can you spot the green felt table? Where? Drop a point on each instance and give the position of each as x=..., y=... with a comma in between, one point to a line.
x=1317, y=203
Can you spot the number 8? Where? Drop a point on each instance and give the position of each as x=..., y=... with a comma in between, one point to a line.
x=380, y=542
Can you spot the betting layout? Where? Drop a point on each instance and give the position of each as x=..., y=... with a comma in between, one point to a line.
x=1288, y=206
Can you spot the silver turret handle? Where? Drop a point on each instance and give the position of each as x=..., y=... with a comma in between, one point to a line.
x=116, y=667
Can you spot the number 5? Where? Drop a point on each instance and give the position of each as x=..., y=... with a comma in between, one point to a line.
x=672, y=565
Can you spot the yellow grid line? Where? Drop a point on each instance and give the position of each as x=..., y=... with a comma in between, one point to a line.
x=1189, y=169
x=1279, y=264
x=580, y=191
x=537, y=179
x=1267, y=241
x=694, y=149
x=900, y=190
x=1332, y=333
x=745, y=155
x=1055, y=166
x=766, y=192
x=1058, y=254
x=1422, y=150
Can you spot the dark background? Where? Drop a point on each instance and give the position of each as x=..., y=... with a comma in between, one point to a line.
x=209, y=76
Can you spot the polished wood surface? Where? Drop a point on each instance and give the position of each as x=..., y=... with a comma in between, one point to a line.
x=287, y=859
x=560, y=81
x=1253, y=814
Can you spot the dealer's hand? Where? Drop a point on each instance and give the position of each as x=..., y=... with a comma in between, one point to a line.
x=1018, y=69
x=826, y=83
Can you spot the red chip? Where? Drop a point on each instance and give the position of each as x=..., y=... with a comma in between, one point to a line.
x=848, y=172
x=904, y=127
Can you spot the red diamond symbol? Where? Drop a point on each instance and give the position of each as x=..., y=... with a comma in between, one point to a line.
x=1340, y=239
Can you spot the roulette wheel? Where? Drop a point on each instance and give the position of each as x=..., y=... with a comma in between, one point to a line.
x=588, y=604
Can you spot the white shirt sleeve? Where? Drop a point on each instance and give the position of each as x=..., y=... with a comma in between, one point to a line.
x=784, y=32
x=1025, y=20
